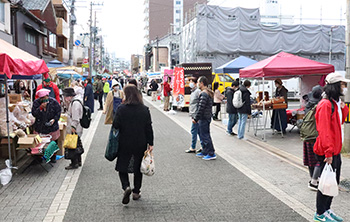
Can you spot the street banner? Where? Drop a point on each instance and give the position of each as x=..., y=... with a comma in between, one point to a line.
x=179, y=87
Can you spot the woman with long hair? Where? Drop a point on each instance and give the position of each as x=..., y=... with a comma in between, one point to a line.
x=330, y=115
x=133, y=119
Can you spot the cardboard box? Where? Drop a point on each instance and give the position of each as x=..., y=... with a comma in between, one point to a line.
x=30, y=141
x=14, y=98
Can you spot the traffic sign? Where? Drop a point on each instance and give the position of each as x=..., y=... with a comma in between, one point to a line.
x=85, y=60
x=77, y=42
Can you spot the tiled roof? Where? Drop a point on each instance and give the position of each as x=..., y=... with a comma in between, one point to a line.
x=35, y=4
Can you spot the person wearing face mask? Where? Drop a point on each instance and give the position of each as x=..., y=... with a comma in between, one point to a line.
x=75, y=113
x=194, y=99
x=113, y=100
x=47, y=112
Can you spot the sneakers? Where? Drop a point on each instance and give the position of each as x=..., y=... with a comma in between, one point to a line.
x=126, y=197
x=209, y=157
x=71, y=167
x=136, y=196
x=231, y=134
x=312, y=187
x=325, y=217
x=334, y=216
x=199, y=150
x=200, y=155
x=190, y=150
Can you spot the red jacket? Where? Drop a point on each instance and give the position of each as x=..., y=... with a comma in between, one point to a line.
x=329, y=140
x=167, y=89
x=55, y=90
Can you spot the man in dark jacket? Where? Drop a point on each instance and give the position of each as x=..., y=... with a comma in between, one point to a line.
x=203, y=117
x=245, y=110
x=230, y=109
x=99, y=92
x=153, y=88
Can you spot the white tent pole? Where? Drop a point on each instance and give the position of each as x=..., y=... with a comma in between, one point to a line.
x=7, y=120
x=264, y=113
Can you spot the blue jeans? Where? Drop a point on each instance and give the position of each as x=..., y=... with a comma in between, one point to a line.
x=207, y=144
x=232, y=120
x=194, y=132
x=242, y=120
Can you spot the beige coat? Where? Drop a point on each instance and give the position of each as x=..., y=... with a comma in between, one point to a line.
x=108, y=109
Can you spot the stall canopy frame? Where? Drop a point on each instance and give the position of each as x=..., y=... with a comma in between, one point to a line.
x=284, y=65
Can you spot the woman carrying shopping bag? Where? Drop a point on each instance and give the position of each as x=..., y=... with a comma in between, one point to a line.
x=133, y=119
x=114, y=99
x=75, y=113
x=330, y=115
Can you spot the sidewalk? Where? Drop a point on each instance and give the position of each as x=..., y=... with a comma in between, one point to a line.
x=279, y=167
x=184, y=187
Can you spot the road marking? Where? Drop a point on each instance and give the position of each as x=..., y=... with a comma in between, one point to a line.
x=293, y=203
x=61, y=201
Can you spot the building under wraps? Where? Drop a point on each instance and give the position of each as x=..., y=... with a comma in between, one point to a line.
x=219, y=34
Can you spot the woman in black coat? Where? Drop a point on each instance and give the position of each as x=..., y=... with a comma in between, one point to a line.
x=89, y=95
x=133, y=119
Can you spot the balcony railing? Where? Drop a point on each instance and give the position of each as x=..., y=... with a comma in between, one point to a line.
x=62, y=28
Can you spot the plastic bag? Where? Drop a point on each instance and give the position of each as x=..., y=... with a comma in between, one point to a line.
x=112, y=145
x=147, y=164
x=328, y=183
x=6, y=174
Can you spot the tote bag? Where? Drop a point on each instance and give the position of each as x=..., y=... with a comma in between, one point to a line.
x=112, y=145
x=71, y=141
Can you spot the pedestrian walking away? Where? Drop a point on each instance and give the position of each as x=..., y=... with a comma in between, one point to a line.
x=330, y=139
x=99, y=92
x=133, y=119
x=218, y=97
x=203, y=118
x=245, y=110
x=89, y=95
x=114, y=99
x=230, y=109
x=75, y=113
x=194, y=100
x=153, y=88
x=167, y=92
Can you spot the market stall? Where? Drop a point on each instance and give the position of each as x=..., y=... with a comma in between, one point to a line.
x=284, y=65
x=16, y=62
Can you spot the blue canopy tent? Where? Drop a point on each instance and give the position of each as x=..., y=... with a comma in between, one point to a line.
x=68, y=74
x=55, y=64
x=235, y=65
x=38, y=76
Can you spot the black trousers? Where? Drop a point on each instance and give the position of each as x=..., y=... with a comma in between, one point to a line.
x=124, y=176
x=217, y=110
x=323, y=202
x=100, y=97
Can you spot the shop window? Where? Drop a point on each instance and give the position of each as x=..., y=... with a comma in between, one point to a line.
x=178, y=2
x=30, y=37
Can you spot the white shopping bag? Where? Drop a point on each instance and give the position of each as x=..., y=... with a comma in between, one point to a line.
x=147, y=164
x=328, y=183
x=6, y=174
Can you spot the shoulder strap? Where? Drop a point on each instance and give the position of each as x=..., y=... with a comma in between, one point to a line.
x=78, y=101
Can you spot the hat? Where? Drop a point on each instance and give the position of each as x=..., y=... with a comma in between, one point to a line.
x=42, y=92
x=316, y=94
x=335, y=77
x=47, y=80
x=114, y=82
x=279, y=81
x=68, y=92
x=79, y=90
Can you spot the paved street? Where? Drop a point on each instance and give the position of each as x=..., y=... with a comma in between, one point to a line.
x=184, y=188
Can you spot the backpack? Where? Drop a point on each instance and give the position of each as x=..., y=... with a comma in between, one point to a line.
x=308, y=130
x=86, y=119
x=237, y=100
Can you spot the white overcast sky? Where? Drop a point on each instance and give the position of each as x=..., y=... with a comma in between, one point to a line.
x=122, y=22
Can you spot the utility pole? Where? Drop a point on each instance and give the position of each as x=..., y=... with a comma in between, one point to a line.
x=90, y=47
x=94, y=39
x=72, y=22
x=157, y=68
x=347, y=75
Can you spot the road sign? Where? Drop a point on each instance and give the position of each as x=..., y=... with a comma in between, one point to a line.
x=85, y=60
x=77, y=42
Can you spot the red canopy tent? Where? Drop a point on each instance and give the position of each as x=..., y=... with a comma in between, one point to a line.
x=285, y=65
x=14, y=61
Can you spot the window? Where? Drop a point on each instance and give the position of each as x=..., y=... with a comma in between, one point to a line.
x=52, y=40
x=30, y=37
x=224, y=78
x=178, y=2
x=2, y=12
x=177, y=20
x=178, y=11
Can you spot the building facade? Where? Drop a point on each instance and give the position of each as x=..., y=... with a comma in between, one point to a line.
x=5, y=21
x=62, y=30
